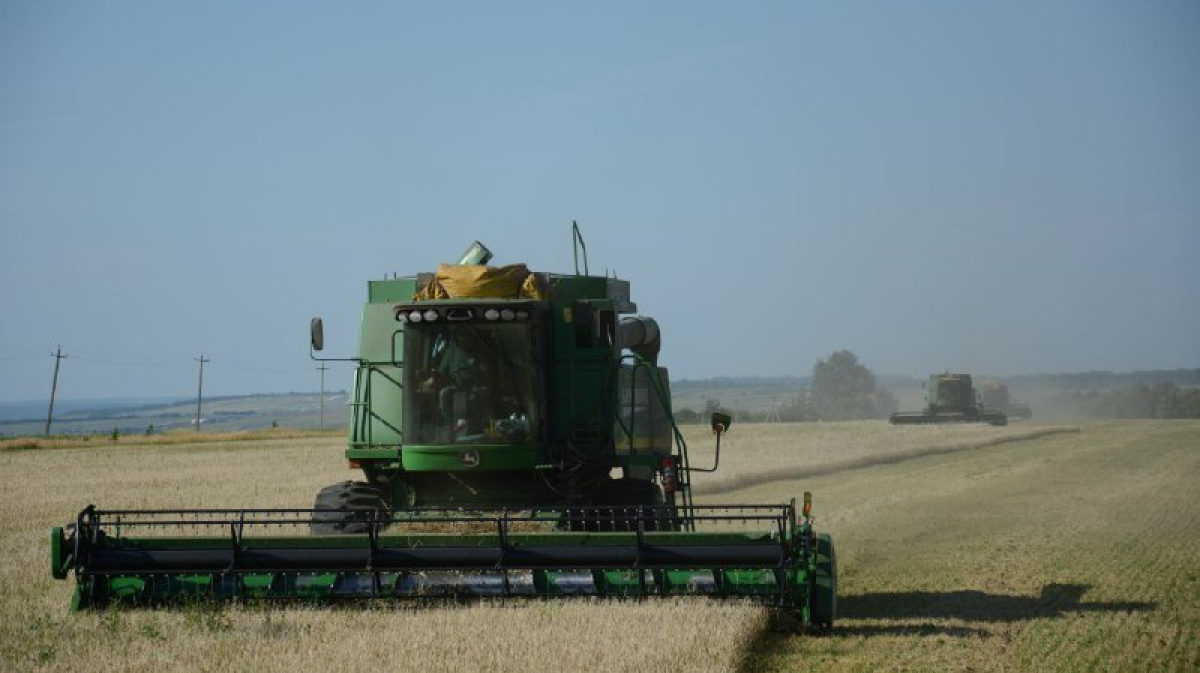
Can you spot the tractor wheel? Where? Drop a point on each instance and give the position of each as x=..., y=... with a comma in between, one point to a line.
x=348, y=508
x=824, y=597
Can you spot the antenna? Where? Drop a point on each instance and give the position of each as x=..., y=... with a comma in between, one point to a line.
x=578, y=245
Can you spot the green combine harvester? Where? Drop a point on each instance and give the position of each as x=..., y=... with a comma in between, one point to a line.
x=515, y=436
x=951, y=398
x=996, y=397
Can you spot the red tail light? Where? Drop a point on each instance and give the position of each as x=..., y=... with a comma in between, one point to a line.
x=670, y=477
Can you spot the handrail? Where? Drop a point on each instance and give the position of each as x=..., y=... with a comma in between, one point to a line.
x=685, y=486
x=363, y=428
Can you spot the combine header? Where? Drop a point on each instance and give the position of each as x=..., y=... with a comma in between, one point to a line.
x=515, y=434
x=951, y=398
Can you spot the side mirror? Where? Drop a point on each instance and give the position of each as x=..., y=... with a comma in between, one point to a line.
x=317, y=330
x=720, y=423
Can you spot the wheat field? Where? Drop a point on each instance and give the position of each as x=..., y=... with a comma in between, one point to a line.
x=1069, y=552
x=961, y=548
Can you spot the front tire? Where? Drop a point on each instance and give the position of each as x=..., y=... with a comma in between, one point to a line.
x=823, y=609
x=348, y=508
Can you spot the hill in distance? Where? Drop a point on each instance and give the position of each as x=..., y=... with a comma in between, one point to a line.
x=301, y=410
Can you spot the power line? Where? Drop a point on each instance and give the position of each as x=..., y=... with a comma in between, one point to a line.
x=125, y=359
x=117, y=360
x=128, y=363
x=234, y=364
x=21, y=354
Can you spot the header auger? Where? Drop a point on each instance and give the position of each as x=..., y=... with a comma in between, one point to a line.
x=515, y=435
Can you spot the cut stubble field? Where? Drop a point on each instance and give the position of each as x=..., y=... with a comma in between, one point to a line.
x=961, y=548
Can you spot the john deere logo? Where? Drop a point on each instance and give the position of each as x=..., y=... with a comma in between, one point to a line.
x=469, y=458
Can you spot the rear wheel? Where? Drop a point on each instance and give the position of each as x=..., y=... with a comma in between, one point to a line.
x=823, y=609
x=348, y=508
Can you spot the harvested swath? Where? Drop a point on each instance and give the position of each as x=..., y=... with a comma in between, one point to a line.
x=765, y=452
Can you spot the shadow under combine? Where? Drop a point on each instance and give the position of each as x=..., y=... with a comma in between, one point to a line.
x=922, y=613
x=1054, y=601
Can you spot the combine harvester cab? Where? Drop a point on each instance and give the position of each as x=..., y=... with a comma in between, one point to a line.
x=515, y=435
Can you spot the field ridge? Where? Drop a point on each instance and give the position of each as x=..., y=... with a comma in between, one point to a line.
x=756, y=478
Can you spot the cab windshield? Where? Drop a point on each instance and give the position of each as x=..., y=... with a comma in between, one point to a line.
x=469, y=383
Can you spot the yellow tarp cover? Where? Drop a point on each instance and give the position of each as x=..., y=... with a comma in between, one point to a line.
x=458, y=281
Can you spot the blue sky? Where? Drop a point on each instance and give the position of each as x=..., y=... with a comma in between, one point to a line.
x=999, y=188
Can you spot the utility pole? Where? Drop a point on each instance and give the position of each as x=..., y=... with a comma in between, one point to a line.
x=200, y=387
x=58, y=356
x=322, y=369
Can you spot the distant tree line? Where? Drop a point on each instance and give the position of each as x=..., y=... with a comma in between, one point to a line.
x=738, y=383
x=1104, y=380
x=1157, y=400
x=841, y=389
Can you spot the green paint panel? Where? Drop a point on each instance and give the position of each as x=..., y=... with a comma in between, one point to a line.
x=374, y=453
x=189, y=585
x=126, y=587
x=457, y=458
x=380, y=333
x=315, y=585
x=388, y=291
x=622, y=582
x=568, y=289
x=258, y=585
